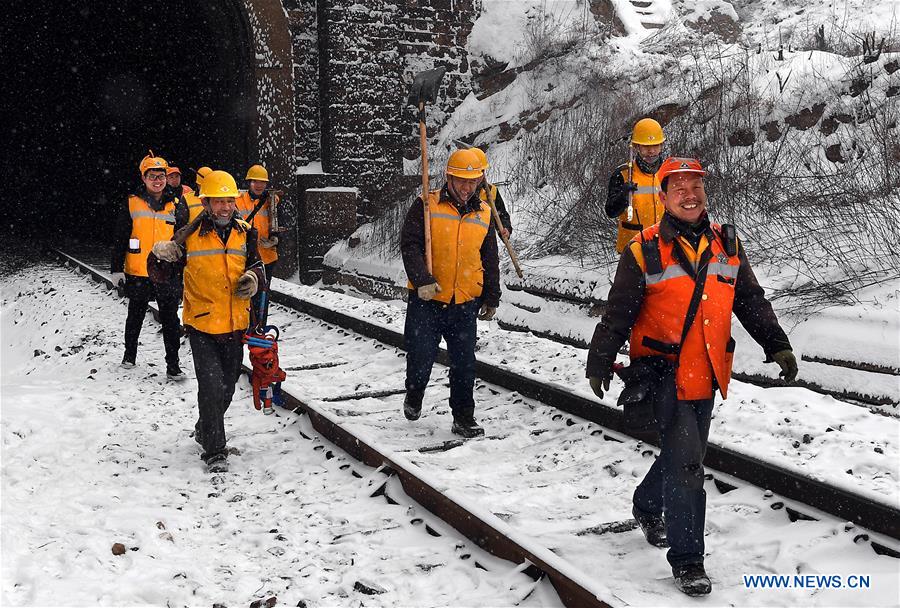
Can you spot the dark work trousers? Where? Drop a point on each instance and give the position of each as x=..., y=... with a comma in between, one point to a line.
x=140, y=291
x=426, y=323
x=217, y=363
x=673, y=486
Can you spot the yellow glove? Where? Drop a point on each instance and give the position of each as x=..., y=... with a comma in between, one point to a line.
x=427, y=292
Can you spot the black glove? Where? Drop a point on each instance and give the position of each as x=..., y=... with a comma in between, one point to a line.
x=600, y=381
x=629, y=187
x=788, y=364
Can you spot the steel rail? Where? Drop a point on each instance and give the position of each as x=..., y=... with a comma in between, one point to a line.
x=874, y=515
x=483, y=528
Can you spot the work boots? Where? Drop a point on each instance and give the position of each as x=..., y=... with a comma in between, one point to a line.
x=217, y=464
x=173, y=372
x=691, y=579
x=653, y=527
x=412, y=404
x=465, y=426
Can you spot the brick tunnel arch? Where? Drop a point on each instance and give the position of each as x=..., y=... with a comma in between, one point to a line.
x=199, y=83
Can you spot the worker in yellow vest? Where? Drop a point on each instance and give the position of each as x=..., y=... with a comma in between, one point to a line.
x=148, y=216
x=633, y=192
x=445, y=301
x=222, y=271
x=257, y=184
x=190, y=204
x=506, y=228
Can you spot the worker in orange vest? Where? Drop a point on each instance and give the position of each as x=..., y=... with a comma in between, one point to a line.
x=633, y=192
x=676, y=287
x=446, y=300
x=257, y=188
x=173, y=179
x=148, y=216
x=222, y=271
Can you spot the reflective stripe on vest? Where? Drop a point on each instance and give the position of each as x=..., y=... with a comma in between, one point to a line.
x=648, y=210
x=211, y=272
x=147, y=227
x=708, y=349
x=456, y=249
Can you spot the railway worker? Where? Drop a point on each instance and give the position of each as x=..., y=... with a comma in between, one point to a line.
x=147, y=216
x=648, y=305
x=222, y=271
x=637, y=177
x=173, y=179
x=506, y=228
x=190, y=202
x=465, y=279
x=257, y=188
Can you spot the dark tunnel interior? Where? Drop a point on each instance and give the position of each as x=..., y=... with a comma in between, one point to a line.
x=97, y=84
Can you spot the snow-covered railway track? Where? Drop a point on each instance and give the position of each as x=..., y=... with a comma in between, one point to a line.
x=538, y=473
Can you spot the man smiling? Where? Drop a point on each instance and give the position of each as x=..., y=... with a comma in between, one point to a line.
x=676, y=287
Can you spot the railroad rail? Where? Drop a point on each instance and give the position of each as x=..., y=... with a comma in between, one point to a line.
x=801, y=490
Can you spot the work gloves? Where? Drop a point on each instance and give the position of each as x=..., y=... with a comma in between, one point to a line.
x=788, y=364
x=487, y=312
x=167, y=251
x=629, y=187
x=600, y=381
x=268, y=243
x=247, y=285
x=427, y=292
x=117, y=278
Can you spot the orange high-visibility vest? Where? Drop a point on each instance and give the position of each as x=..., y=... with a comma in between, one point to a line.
x=245, y=206
x=648, y=210
x=211, y=273
x=456, y=249
x=708, y=348
x=147, y=226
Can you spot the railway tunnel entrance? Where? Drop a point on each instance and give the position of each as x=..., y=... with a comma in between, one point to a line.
x=98, y=84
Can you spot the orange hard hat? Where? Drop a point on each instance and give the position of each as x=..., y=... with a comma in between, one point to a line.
x=152, y=162
x=465, y=164
x=678, y=164
x=482, y=156
x=173, y=171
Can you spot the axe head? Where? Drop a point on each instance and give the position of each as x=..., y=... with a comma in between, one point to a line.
x=425, y=86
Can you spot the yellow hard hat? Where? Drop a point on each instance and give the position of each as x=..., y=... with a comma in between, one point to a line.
x=482, y=157
x=647, y=132
x=258, y=173
x=201, y=173
x=218, y=184
x=465, y=164
x=153, y=162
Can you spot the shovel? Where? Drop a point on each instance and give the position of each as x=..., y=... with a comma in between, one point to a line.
x=424, y=90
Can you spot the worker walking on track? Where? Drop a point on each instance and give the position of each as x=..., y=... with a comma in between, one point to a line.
x=257, y=190
x=675, y=289
x=445, y=301
x=506, y=228
x=633, y=192
x=148, y=216
x=222, y=271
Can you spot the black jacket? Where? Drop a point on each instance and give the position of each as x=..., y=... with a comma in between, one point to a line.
x=412, y=248
x=626, y=296
x=122, y=230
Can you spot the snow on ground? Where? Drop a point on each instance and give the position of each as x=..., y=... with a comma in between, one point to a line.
x=555, y=478
x=94, y=455
x=813, y=434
